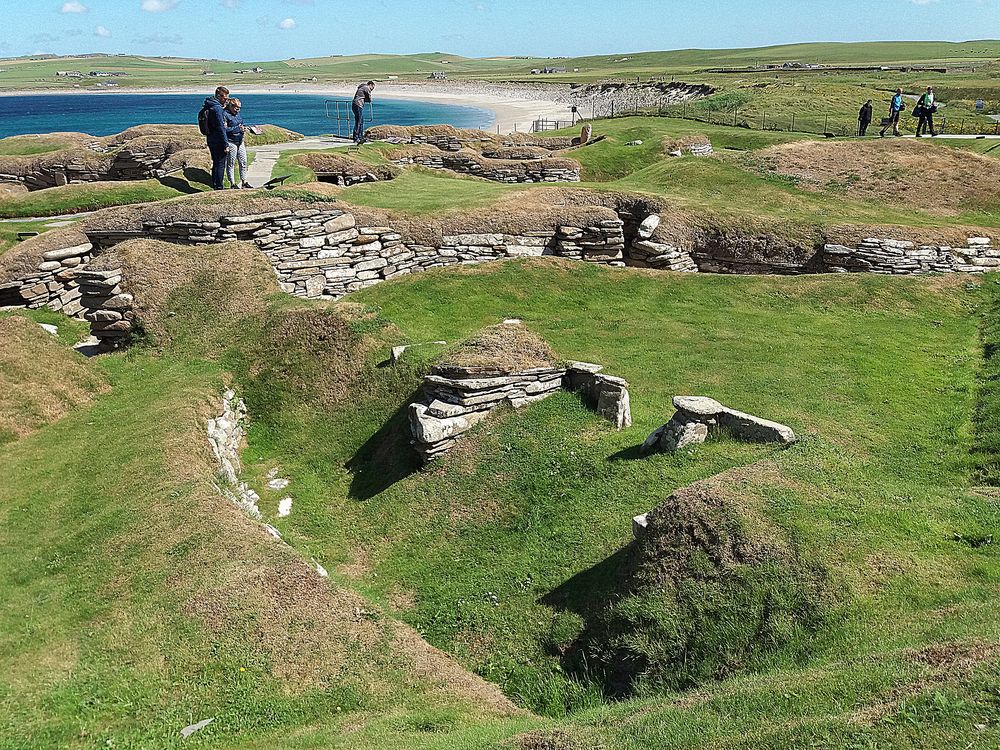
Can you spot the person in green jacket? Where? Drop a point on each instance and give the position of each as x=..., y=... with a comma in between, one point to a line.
x=925, y=111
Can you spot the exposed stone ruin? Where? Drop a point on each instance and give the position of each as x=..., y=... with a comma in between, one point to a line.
x=455, y=398
x=697, y=417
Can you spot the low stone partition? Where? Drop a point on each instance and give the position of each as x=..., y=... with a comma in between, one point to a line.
x=887, y=256
x=606, y=394
x=510, y=171
x=47, y=277
x=699, y=416
x=601, y=243
x=107, y=306
x=456, y=399
x=448, y=138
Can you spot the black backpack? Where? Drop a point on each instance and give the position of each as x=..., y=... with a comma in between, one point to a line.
x=203, y=120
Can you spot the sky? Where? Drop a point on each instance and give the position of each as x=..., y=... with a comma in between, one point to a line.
x=280, y=29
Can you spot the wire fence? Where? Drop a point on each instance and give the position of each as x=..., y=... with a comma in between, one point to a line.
x=832, y=125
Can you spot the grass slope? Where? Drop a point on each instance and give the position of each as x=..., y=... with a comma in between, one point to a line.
x=140, y=601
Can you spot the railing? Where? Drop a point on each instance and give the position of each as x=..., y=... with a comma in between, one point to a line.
x=543, y=124
x=832, y=125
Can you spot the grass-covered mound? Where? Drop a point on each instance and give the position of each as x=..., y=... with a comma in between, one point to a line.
x=922, y=175
x=40, y=379
x=237, y=281
x=498, y=350
x=708, y=589
x=338, y=164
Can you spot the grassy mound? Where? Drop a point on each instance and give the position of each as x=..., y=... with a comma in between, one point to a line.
x=707, y=590
x=161, y=276
x=333, y=163
x=40, y=380
x=499, y=350
x=938, y=180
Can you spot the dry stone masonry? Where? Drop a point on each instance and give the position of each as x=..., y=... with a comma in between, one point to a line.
x=699, y=416
x=528, y=170
x=320, y=251
x=456, y=399
x=107, y=306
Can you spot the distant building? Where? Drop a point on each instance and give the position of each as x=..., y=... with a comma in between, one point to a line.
x=107, y=74
x=249, y=70
x=69, y=74
x=438, y=75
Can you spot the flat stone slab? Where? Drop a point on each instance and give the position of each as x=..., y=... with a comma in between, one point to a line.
x=699, y=416
x=701, y=406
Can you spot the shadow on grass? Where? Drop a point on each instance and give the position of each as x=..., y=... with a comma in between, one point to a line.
x=632, y=453
x=386, y=457
x=589, y=594
x=588, y=591
x=181, y=186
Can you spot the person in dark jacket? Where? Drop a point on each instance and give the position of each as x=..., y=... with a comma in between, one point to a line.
x=237, y=152
x=217, y=136
x=361, y=97
x=864, y=118
x=925, y=111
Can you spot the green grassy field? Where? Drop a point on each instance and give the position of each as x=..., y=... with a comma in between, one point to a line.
x=720, y=191
x=10, y=230
x=116, y=553
x=71, y=199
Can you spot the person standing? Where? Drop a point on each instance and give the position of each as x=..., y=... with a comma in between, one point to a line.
x=895, y=109
x=361, y=97
x=864, y=118
x=925, y=111
x=212, y=121
x=237, y=152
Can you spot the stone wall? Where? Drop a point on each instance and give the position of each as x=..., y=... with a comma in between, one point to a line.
x=140, y=163
x=322, y=252
x=496, y=170
x=53, y=281
x=455, y=400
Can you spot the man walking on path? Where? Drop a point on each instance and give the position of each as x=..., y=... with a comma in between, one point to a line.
x=361, y=97
x=212, y=121
x=895, y=109
x=925, y=111
x=864, y=118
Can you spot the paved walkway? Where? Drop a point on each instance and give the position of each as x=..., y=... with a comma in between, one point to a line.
x=266, y=157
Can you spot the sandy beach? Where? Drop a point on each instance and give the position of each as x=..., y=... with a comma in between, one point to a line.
x=514, y=107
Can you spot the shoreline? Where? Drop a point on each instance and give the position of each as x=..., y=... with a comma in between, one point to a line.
x=513, y=111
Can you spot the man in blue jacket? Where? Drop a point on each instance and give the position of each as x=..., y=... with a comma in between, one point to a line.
x=895, y=110
x=212, y=121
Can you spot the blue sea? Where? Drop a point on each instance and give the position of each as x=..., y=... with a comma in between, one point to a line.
x=309, y=114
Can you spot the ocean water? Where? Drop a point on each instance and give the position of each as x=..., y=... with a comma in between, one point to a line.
x=309, y=114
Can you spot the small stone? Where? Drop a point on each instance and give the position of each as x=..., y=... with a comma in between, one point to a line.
x=192, y=728
x=278, y=483
x=648, y=226
x=285, y=507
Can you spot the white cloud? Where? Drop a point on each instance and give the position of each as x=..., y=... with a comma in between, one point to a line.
x=288, y=23
x=73, y=7
x=103, y=32
x=158, y=6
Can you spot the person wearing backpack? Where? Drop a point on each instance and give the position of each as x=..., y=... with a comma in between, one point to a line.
x=212, y=123
x=895, y=109
x=925, y=111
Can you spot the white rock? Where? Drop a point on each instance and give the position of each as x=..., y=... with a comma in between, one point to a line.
x=648, y=226
x=50, y=328
x=278, y=483
x=285, y=507
x=192, y=728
